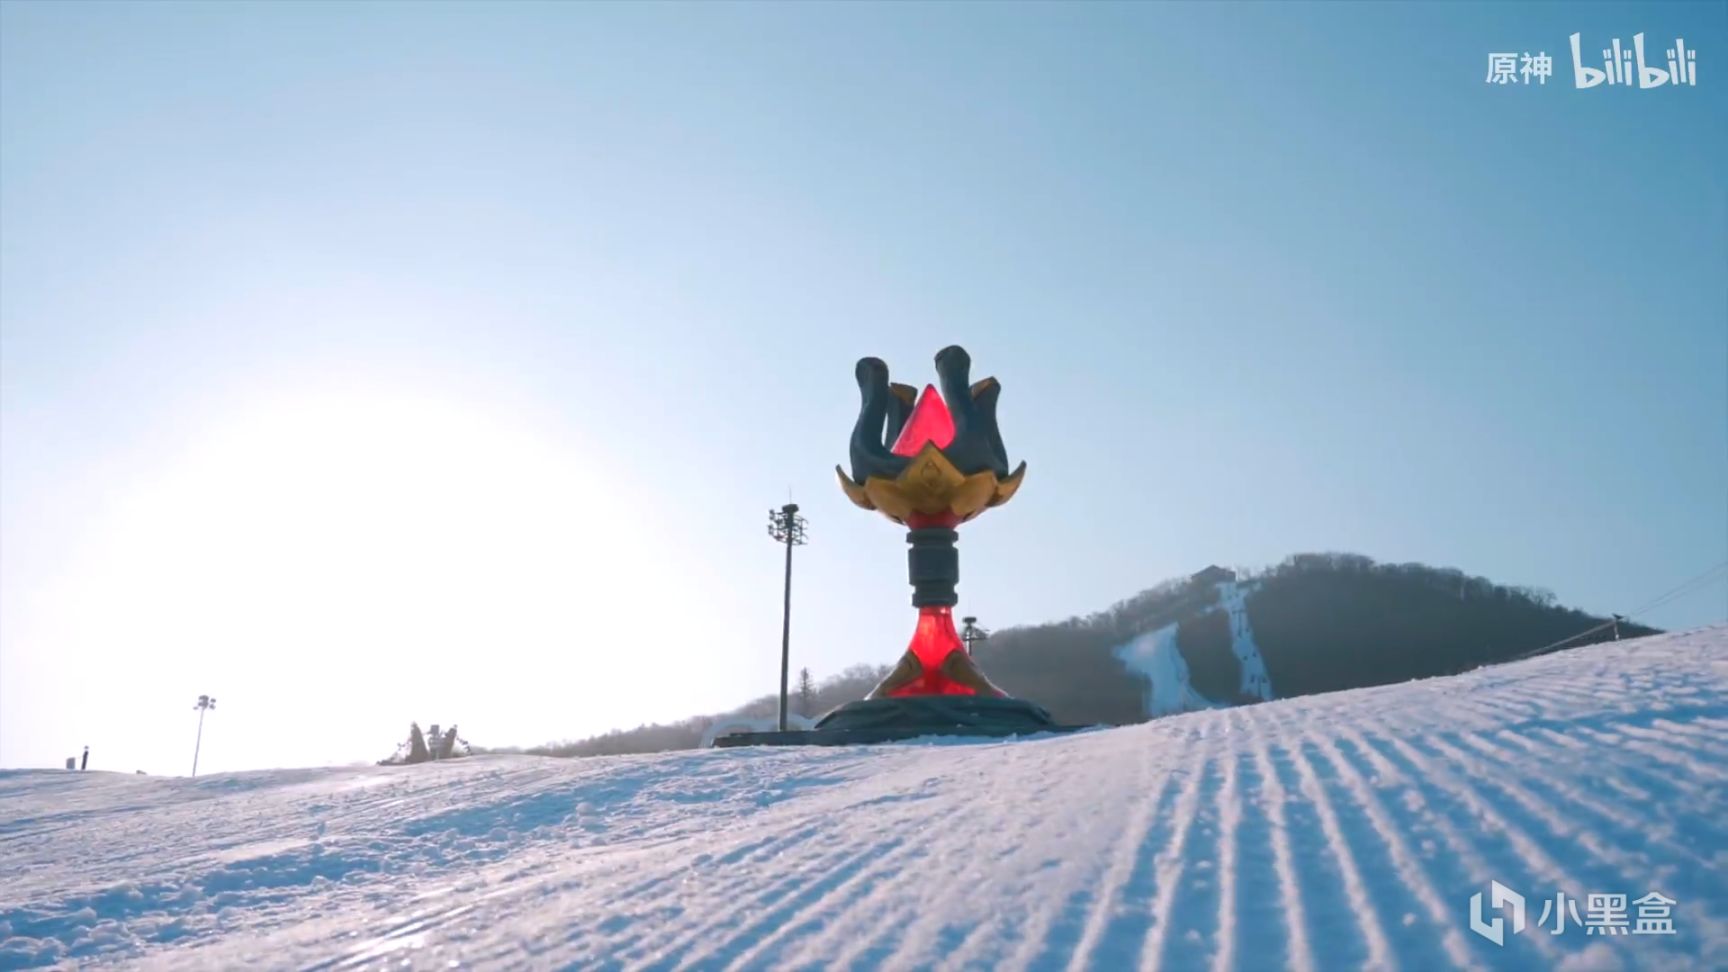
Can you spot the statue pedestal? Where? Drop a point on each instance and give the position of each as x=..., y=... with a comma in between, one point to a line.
x=910, y=717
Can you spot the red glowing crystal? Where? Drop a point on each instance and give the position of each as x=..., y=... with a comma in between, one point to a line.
x=933, y=642
x=930, y=422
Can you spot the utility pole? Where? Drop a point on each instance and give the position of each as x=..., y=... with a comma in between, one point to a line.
x=971, y=633
x=205, y=704
x=787, y=527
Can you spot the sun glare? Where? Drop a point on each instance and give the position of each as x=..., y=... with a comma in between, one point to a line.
x=445, y=562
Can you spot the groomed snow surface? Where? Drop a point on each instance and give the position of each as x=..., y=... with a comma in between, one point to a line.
x=1333, y=832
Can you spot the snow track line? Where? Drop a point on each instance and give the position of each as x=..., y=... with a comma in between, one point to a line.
x=1299, y=952
x=893, y=926
x=1229, y=816
x=1529, y=847
x=1356, y=888
x=1123, y=865
x=732, y=920
x=894, y=889
x=1631, y=829
x=1694, y=732
x=1544, y=817
x=858, y=871
x=1063, y=883
x=1603, y=758
x=1638, y=740
x=848, y=870
x=1472, y=859
x=1169, y=867
x=813, y=900
x=1412, y=875
x=1321, y=882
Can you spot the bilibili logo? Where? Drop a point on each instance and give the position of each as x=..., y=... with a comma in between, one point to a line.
x=1624, y=65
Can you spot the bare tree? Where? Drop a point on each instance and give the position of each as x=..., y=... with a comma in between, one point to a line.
x=806, y=693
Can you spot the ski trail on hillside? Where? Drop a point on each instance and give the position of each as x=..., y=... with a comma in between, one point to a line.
x=1338, y=831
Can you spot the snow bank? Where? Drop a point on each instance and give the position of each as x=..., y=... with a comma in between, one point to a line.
x=1337, y=831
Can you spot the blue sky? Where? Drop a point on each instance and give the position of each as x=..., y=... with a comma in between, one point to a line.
x=366, y=363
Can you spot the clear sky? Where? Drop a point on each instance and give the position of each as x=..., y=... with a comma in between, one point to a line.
x=367, y=363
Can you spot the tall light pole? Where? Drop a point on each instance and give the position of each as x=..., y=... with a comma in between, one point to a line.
x=971, y=633
x=787, y=527
x=205, y=704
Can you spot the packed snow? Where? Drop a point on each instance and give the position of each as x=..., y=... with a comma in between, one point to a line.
x=1328, y=832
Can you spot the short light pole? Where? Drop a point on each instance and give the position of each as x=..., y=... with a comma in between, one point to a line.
x=787, y=527
x=972, y=634
x=205, y=704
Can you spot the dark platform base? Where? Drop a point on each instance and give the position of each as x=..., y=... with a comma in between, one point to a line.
x=893, y=720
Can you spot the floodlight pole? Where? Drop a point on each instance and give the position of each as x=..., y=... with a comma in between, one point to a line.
x=972, y=634
x=205, y=704
x=787, y=527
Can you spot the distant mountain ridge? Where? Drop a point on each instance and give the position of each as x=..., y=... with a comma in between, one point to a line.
x=1317, y=622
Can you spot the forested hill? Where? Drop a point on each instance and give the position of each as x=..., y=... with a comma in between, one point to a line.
x=1318, y=623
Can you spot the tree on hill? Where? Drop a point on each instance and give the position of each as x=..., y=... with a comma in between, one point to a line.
x=806, y=693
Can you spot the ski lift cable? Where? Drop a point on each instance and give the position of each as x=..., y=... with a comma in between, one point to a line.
x=1563, y=641
x=1697, y=582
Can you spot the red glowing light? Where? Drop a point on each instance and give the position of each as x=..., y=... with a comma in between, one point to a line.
x=930, y=422
x=933, y=642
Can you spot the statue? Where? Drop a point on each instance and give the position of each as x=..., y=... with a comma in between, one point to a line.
x=940, y=463
x=929, y=462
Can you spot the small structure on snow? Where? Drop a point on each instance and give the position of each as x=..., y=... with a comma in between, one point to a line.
x=416, y=749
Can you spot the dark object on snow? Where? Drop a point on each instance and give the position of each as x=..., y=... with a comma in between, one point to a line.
x=417, y=749
x=85, y=764
x=72, y=762
x=911, y=717
x=417, y=752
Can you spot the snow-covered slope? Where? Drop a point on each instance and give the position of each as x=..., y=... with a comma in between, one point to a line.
x=1328, y=832
x=1155, y=657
